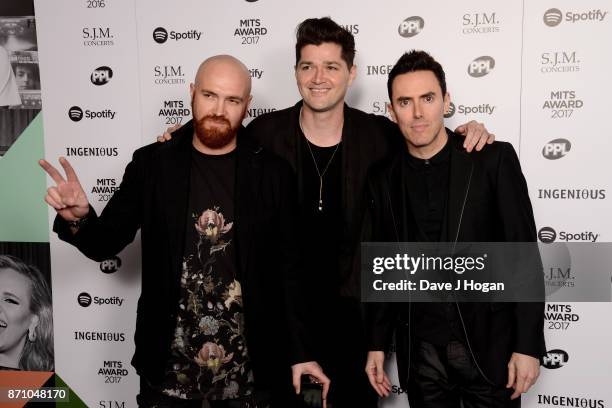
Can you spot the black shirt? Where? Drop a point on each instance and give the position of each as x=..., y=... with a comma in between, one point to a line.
x=427, y=188
x=322, y=222
x=209, y=358
x=427, y=184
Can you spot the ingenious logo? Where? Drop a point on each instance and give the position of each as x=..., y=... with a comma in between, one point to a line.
x=570, y=401
x=90, y=151
x=255, y=111
x=572, y=193
x=351, y=28
x=99, y=336
x=380, y=69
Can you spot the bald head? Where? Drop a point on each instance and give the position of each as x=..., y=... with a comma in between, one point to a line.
x=227, y=64
x=220, y=97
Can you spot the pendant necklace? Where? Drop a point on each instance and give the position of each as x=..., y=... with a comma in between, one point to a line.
x=321, y=174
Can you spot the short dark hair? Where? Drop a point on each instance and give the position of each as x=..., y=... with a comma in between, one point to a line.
x=416, y=61
x=316, y=31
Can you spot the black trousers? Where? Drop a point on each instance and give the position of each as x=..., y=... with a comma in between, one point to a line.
x=447, y=377
x=343, y=357
x=149, y=397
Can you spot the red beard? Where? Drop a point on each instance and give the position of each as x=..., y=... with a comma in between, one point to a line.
x=216, y=136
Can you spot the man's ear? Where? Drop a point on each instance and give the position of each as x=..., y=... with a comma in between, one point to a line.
x=352, y=74
x=391, y=111
x=447, y=101
x=191, y=89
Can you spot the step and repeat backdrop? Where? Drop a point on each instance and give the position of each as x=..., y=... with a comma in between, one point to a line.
x=115, y=73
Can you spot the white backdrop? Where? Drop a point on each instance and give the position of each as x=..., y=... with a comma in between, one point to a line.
x=534, y=72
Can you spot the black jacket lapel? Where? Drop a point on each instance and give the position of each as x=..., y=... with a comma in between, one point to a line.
x=459, y=181
x=175, y=160
x=246, y=196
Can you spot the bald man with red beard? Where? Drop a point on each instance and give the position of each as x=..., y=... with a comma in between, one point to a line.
x=218, y=318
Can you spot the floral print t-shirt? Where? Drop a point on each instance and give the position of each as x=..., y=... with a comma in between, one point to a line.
x=209, y=357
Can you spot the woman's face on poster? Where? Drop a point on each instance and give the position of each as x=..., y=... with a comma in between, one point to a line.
x=15, y=315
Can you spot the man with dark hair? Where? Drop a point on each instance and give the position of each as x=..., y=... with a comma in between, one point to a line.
x=449, y=354
x=331, y=147
x=219, y=259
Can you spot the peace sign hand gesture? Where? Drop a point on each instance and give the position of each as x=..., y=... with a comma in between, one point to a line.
x=67, y=196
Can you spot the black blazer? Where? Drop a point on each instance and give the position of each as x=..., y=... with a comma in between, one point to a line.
x=366, y=140
x=153, y=196
x=492, y=191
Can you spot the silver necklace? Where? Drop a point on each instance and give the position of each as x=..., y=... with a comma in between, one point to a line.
x=321, y=175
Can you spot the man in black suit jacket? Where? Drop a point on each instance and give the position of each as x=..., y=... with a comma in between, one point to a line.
x=450, y=353
x=216, y=214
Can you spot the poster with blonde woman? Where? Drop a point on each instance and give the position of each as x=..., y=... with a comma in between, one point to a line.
x=26, y=315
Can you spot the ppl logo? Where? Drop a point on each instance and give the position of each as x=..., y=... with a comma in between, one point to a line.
x=556, y=149
x=101, y=76
x=84, y=299
x=481, y=66
x=75, y=114
x=451, y=111
x=160, y=35
x=553, y=17
x=111, y=265
x=555, y=359
x=411, y=26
